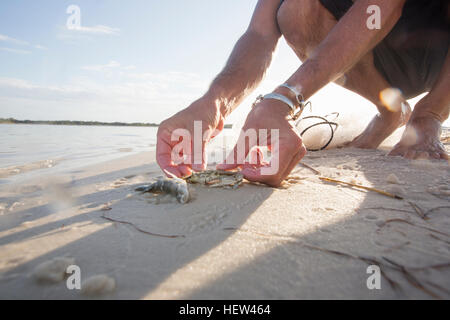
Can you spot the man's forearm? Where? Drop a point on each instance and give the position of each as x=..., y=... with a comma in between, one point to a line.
x=244, y=70
x=346, y=44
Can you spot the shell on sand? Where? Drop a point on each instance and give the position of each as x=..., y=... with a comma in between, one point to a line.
x=98, y=285
x=393, y=179
x=53, y=270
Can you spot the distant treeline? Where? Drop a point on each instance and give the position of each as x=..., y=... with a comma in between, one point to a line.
x=76, y=123
x=82, y=123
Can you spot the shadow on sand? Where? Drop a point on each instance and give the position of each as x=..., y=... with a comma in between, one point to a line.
x=329, y=261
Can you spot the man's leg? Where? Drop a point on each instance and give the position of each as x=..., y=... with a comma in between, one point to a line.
x=422, y=134
x=304, y=24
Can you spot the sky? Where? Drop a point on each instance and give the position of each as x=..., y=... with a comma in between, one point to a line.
x=130, y=61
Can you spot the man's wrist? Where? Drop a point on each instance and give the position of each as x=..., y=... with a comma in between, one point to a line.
x=275, y=108
x=214, y=98
x=288, y=94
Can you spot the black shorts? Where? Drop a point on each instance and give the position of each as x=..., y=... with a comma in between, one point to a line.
x=412, y=55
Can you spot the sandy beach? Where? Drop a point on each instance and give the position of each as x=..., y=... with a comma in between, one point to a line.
x=309, y=239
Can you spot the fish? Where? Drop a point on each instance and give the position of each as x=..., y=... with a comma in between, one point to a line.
x=173, y=186
x=179, y=187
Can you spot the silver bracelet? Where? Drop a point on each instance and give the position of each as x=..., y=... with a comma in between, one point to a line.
x=298, y=95
x=276, y=96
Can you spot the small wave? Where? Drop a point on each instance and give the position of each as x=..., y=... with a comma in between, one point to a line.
x=43, y=164
x=125, y=149
x=125, y=135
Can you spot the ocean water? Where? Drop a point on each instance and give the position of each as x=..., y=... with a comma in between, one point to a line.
x=53, y=148
x=27, y=151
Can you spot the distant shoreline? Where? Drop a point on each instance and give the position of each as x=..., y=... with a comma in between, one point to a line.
x=83, y=123
x=76, y=123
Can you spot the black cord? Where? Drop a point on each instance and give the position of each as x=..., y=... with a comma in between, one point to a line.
x=324, y=121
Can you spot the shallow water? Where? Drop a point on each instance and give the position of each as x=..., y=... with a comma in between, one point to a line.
x=27, y=151
x=54, y=148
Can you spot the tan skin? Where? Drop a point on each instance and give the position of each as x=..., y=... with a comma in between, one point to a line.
x=425, y=122
x=338, y=53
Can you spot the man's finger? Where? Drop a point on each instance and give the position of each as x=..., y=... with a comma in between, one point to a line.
x=164, y=159
x=256, y=157
x=256, y=174
x=289, y=160
x=163, y=153
x=236, y=158
x=185, y=170
x=199, y=158
x=295, y=160
x=172, y=170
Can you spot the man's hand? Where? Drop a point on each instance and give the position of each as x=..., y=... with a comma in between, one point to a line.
x=205, y=110
x=421, y=140
x=244, y=70
x=268, y=115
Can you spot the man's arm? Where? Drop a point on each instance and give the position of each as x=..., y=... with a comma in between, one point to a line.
x=244, y=70
x=249, y=59
x=346, y=44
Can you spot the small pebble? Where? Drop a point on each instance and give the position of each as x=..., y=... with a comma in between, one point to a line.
x=380, y=224
x=397, y=190
x=52, y=270
x=98, y=285
x=393, y=179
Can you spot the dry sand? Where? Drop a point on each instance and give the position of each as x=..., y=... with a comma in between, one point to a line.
x=252, y=243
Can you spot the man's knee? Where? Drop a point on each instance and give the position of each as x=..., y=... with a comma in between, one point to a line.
x=304, y=22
